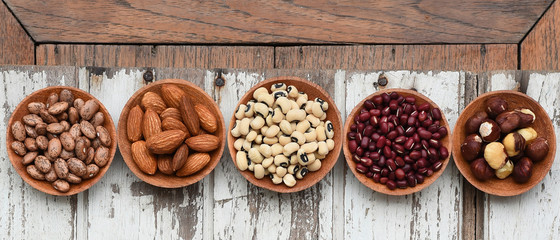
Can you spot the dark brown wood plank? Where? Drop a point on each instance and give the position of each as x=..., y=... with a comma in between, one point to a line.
x=156, y=56
x=278, y=21
x=541, y=47
x=16, y=47
x=467, y=57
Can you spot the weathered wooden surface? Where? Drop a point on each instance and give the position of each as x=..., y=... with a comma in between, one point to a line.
x=276, y=21
x=225, y=205
x=16, y=47
x=540, y=49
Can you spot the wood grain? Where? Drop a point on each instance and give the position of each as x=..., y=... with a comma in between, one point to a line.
x=474, y=57
x=541, y=47
x=16, y=47
x=156, y=56
x=277, y=21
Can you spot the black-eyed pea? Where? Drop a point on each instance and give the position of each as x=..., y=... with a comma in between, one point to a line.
x=246, y=145
x=323, y=118
x=280, y=133
x=284, y=104
x=267, y=99
x=317, y=110
x=276, y=149
x=329, y=129
x=255, y=156
x=279, y=93
x=251, y=136
x=267, y=162
x=316, y=165
x=244, y=126
x=277, y=116
x=235, y=130
x=238, y=144
x=298, y=137
x=290, y=148
x=309, y=147
x=259, y=139
x=264, y=129
x=293, y=159
x=278, y=86
x=321, y=134
x=265, y=150
x=310, y=135
x=240, y=112
x=324, y=104
x=269, y=121
x=275, y=178
x=319, y=156
x=285, y=127
x=251, y=166
x=295, y=115
x=281, y=161
x=309, y=107
x=272, y=131
x=257, y=123
x=261, y=109
x=241, y=160
x=259, y=91
x=292, y=91
x=330, y=144
x=259, y=171
x=302, y=172
x=281, y=171
x=270, y=141
x=266, y=172
x=314, y=121
x=301, y=99
x=303, y=157
x=271, y=168
x=294, y=105
x=289, y=180
x=250, y=110
x=293, y=125
x=322, y=148
x=302, y=126
x=284, y=139
x=293, y=169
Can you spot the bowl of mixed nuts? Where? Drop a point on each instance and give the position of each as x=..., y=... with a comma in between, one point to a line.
x=397, y=141
x=61, y=140
x=504, y=143
x=171, y=133
x=285, y=134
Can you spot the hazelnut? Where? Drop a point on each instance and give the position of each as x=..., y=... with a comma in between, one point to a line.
x=489, y=131
x=473, y=123
x=495, y=155
x=514, y=144
x=508, y=121
x=528, y=133
x=537, y=150
x=471, y=147
x=527, y=117
x=495, y=106
x=505, y=171
x=523, y=170
x=481, y=170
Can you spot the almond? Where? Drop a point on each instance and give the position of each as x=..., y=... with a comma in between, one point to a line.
x=145, y=160
x=171, y=113
x=189, y=115
x=174, y=124
x=165, y=142
x=134, y=124
x=153, y=100
x=208, y=121
x=180, y=157
x=165, y=164
x=195, y=162
x=203, y=142
x=151, y=125
x=172, y=95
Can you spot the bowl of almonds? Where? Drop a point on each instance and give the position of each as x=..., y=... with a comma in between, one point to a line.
x=285, y=134
x=171, y=133
x=61, y=140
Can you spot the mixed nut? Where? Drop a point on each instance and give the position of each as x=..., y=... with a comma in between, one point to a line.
x=282, y=134
x=170, y=133
x=501, y=142
x=62, y=140
x=396, y=141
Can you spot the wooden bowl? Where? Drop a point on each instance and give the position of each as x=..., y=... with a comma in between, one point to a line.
x=543, y=126
x=159, y=179
x=378, y=187
x=41, y=96
x=312, y=90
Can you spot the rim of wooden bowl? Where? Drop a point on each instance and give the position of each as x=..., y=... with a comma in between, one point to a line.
x=312, y=90
x=496, y=186
x=378, y=187
x=159, y=179
x=43, y=185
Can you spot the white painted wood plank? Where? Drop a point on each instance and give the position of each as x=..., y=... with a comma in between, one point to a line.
x=534, y=214
x=433, y=213
x=26, y=213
